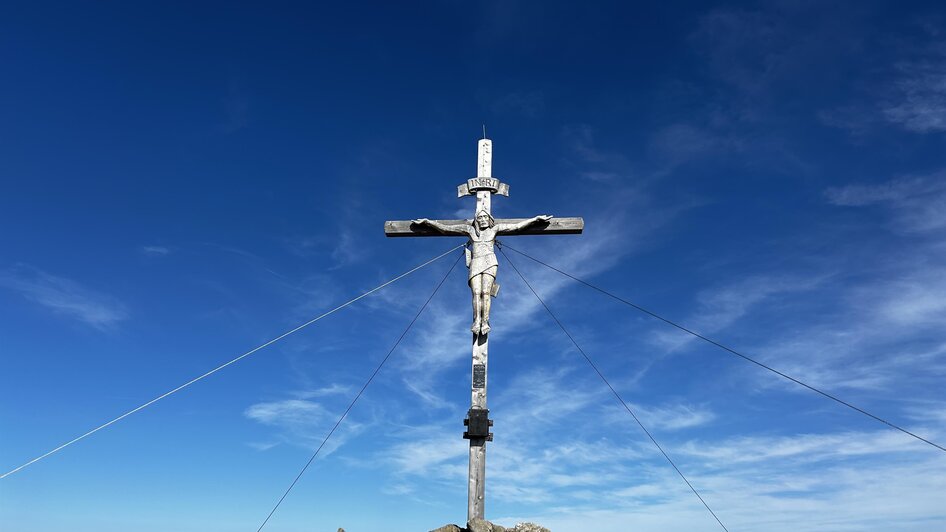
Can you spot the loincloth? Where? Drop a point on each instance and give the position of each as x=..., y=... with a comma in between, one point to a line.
x=485, y=264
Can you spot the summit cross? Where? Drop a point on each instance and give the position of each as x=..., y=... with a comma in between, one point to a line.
x=481, y=231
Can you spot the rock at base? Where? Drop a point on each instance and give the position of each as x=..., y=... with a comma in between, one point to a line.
x=482, y=525
x=528, y=527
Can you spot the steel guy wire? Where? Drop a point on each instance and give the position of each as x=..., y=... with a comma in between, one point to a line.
x=613, y=391
x=358, y=395
x=220, y=367
x=733, y=351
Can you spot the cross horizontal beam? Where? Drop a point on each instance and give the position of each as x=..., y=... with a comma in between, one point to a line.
x=556, y=226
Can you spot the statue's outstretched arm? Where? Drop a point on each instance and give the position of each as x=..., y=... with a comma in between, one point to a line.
x=447, y=229
x=511, y=228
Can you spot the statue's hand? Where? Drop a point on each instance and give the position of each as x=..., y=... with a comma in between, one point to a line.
x=544, y=217
x=420, y=221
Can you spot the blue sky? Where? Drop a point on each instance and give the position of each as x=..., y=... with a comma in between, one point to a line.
x=184, y=182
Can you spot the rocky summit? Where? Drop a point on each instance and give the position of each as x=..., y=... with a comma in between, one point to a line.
x=481, y=525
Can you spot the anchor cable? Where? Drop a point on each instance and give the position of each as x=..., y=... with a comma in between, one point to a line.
x=358, y=395
x=613, y=391
x=732, y=351
x=220, y=367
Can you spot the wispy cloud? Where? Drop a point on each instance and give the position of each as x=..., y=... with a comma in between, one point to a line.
x=857, y=118
x=302, y=421
x=919, y=104
x=753, y=482
x=154, y=251
x=305, y=246
x=918, y=203
x=743, y=47
x=580, y=139
x=871, y=335
x=850, y=481
x=889, y=192
x=432, y=452
x=64, y=296
x=673, y=417
x=441, y=342
x=682, y=142
x=916, y=302
x=912, y=93
x=722, y=306
x=523, y=466
x=341, y=248
x=758, y=53
x=843, y=324
x=291, y=413
x=332, y=389
x=346, y=249
x=800, y=447
x=892, y=497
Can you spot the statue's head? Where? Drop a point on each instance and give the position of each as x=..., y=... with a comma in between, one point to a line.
x=483, y=220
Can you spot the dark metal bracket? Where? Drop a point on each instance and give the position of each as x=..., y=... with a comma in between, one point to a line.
x=478, y=424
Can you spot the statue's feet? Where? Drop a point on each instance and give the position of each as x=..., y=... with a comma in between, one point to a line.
x=485, y=328
x=476, y=327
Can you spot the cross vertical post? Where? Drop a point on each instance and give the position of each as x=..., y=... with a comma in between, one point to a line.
x=481, y=231
x=479, y=413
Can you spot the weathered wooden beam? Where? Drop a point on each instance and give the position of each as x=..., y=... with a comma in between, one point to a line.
x=556, y=226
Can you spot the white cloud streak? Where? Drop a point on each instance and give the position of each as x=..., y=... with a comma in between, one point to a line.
x=154, y=251
x=722, y=306
x=64, y=296
x=301, y=421
x=920, y=102
x=918, y=204
x=846, y=481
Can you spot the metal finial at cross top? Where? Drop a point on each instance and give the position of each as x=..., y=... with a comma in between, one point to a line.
x=481, y=231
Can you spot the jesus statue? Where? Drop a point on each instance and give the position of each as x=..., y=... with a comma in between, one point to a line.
x=482, y=231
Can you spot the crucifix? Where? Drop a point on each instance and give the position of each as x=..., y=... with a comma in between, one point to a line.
x=481, y=231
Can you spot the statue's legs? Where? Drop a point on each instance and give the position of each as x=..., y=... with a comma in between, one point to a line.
x=486, y=287
x=476, y=285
